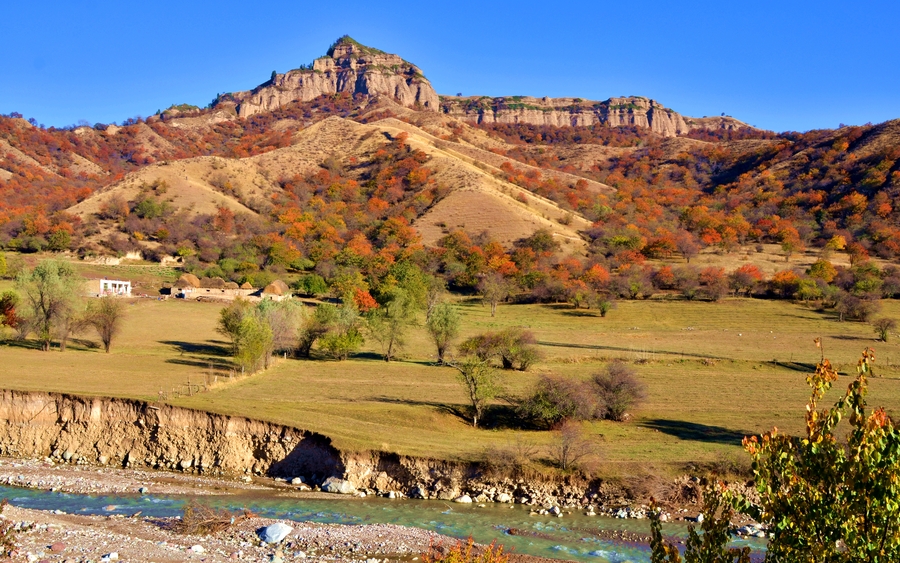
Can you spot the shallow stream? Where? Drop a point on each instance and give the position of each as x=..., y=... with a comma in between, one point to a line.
x=574, y=537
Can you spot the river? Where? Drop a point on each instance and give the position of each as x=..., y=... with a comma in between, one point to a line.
x=574, y=537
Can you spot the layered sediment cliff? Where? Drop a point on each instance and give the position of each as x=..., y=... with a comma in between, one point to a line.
x=134, y=434
x=560, y=112
x=349, y=67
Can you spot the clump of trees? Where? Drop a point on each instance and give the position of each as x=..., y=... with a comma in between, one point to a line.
x=52, y=302
x=53, y=306
x=609, y=395
x=513, y=347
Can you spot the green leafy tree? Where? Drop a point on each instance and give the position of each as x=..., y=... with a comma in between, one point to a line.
x=344, y=337
x=254, y=343
x=3, y=268
x=494, y=288
x=285, y=319
x=311, y=284
x=443, y=327
x=515, y=347
x=315, y=327
x=52, y=291
x=230, y=319
x=831, y=495
x=480, y=381
x=390, y=322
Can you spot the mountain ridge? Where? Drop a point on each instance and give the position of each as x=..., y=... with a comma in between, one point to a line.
x=354, y=68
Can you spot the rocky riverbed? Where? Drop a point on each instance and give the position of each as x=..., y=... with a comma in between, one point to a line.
x=54, y=536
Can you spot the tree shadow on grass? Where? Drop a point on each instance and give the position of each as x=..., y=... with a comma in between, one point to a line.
x=803, y=367
x=205, y=363
x=696, y=432
x=630, y=350
x=496, y=417
x=27, y=344
x=208, y=348
x=582, y=313
x=849, y=337
x=455, y=410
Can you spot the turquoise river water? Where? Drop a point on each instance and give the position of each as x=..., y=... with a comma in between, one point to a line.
x=573, y=537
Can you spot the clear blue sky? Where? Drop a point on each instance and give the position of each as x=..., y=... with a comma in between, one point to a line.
x=786, y=65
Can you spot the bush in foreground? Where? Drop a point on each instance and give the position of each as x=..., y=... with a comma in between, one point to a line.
x=466, y=553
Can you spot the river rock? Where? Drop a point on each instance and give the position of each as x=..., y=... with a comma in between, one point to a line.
x=58, y=547
x=418, y=492
x=274, y=533
x=464, y=499
x=197, y=548
x=504, y=497
x=297, y=481
x=340, y=486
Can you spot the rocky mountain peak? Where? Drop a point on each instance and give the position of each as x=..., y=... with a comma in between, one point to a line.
x=348, y=67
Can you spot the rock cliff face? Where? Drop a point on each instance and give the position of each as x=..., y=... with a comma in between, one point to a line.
x=348, y=67
x=560, y=112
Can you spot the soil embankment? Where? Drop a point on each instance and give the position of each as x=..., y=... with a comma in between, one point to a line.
x=137, y=435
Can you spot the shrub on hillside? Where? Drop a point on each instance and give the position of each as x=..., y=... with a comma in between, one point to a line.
x=555, y=399
x=514, y=347
x=618, y=389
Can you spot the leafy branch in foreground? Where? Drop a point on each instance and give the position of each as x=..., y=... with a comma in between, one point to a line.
x=709, y=547
x=832, y=495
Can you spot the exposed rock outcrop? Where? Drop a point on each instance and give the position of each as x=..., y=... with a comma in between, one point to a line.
x=614, y=112
x=348, y=67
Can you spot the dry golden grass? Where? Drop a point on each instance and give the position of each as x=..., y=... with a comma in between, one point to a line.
x=714, y=372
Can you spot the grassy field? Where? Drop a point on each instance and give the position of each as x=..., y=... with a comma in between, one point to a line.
x=714, y=372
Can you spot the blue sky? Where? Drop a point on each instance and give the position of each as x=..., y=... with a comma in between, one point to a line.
x=788, y=65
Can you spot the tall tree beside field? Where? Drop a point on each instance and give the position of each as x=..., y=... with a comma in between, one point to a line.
x=105, y=315
x=315, y=327
x=285, y=319
x=51, y=291
x=480, y=381
x=344, y=336
x=443, y=327
x=230, y=319
x=254, y=343
x=389, y=322
x=494, y=288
